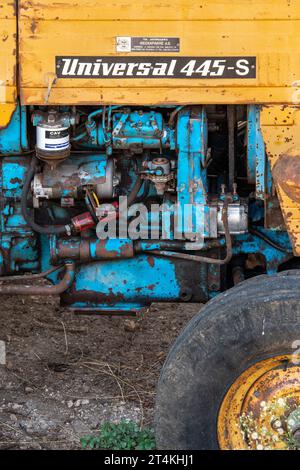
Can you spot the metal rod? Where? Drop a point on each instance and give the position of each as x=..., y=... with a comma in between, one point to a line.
x=56, y=289
x=29, y=277
x=231, y=119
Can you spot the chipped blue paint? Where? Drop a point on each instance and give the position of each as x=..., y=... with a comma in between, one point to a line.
x=137, y=129
x=122, y=284
x=192, y=135
x=257, y=161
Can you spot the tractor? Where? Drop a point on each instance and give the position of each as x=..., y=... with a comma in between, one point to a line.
x=150, y=152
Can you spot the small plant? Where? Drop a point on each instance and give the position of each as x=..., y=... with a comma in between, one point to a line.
x=125, y=435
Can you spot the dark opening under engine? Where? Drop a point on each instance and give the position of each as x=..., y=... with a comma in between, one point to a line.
x=122, y=206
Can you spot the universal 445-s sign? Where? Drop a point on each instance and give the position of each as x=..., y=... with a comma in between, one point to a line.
x=155, y=67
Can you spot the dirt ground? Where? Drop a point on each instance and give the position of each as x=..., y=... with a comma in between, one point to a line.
x=65, y=374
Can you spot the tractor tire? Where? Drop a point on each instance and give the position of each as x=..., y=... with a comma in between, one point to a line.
x=256, y=321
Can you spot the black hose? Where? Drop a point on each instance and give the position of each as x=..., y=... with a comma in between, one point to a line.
x=60, y=229
x=134, y=192
x=169, y=245
x=145, y=193
x=270, y=242
x=163, y=245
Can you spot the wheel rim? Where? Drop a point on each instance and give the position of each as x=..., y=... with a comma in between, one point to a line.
x=261, y=410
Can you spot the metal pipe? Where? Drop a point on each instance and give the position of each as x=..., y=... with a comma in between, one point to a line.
x=56, y=289
x=173, y=115
x=30, y=277
x=91, y=249
x=203, y=259
x=135, y=190
x=171, y=245
x=231, y=118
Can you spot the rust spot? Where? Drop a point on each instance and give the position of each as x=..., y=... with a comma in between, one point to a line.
x=92, y=297
x=274, y=216
x=150, y=260
x=16, y=181
x=33, y=26
x=286, y=174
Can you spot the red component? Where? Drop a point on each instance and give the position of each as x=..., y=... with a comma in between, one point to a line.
x=83, y=222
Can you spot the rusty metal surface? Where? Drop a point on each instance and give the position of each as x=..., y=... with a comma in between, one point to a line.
x=56, y=289
x=134, y=283
x=273, y=213
x=255, y=411
x=92, y=249
x=281, y=130
x=286, y=173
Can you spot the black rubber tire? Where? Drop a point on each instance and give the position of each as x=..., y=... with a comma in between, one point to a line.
x=257, y=319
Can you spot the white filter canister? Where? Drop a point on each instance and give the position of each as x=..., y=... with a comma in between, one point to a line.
x=52, y=139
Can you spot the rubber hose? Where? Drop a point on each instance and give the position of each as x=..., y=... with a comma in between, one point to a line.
x=270, y=242
x=135, y=190
x=143, y=196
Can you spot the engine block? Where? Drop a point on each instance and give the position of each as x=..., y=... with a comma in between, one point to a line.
x=146, y=204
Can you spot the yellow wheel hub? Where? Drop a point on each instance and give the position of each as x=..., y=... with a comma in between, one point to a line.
x=261, y=410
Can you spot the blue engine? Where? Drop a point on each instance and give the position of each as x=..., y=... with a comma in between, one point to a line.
x=119, y=207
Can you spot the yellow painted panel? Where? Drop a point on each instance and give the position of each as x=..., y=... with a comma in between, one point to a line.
x=152, y=96
x=176, y=10
x=281, y=130
x=8, y=29
x=268, y=30
x=6, y=112
x=7, y=9
x=7, y=52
